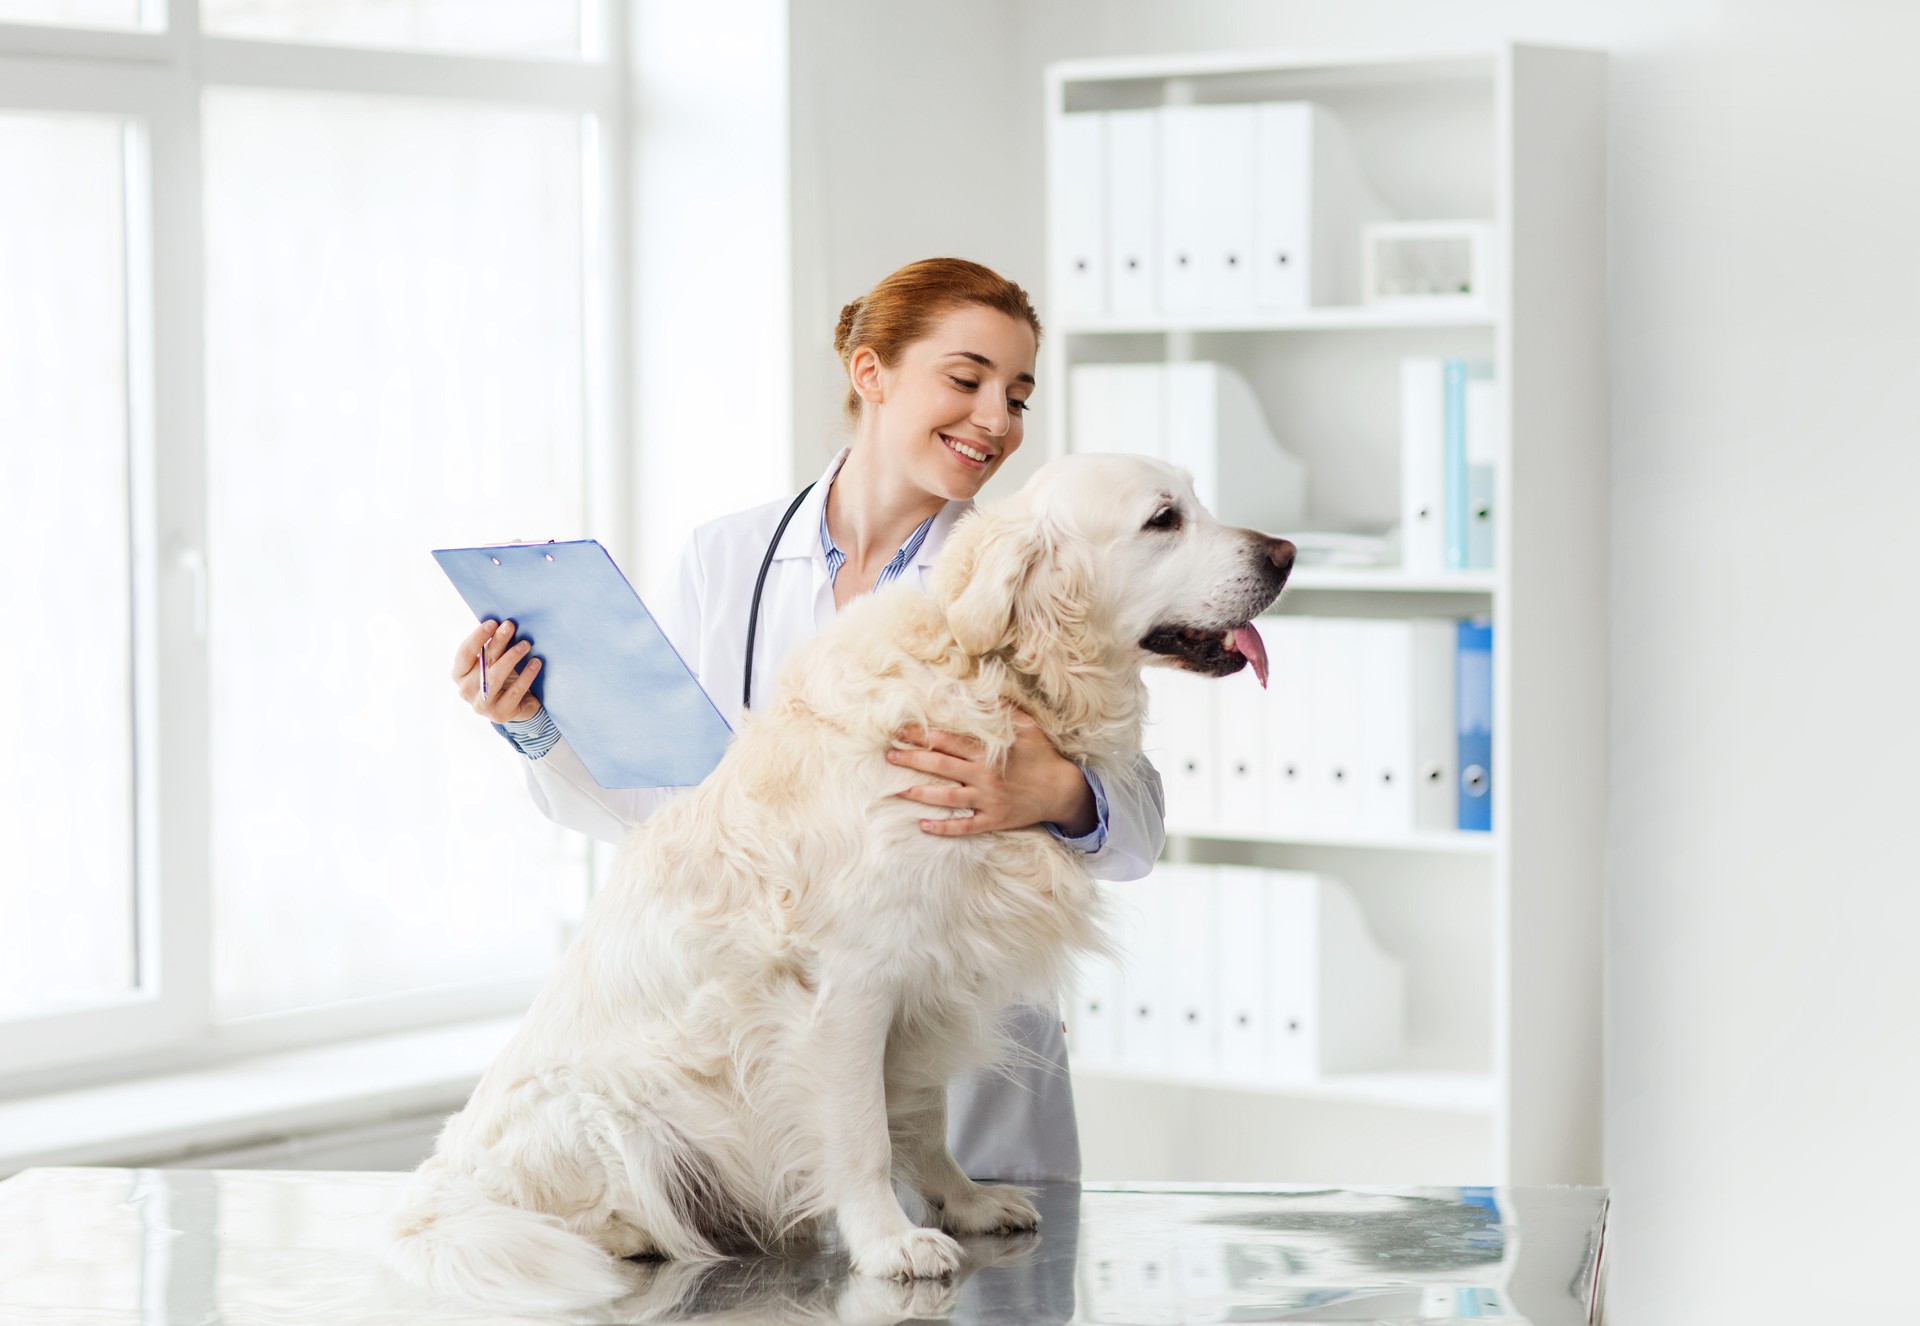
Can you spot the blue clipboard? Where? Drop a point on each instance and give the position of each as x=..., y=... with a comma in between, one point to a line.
x=616, y=687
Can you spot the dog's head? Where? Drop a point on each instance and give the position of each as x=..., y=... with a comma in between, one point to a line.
x=1106, y=561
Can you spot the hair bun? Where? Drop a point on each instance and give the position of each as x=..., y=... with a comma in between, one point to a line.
x=843, y=332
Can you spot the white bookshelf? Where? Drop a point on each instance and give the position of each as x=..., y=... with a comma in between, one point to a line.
x=1499, y=932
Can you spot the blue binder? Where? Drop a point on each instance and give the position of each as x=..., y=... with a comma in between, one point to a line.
x=1473, y=709
x=615, y=686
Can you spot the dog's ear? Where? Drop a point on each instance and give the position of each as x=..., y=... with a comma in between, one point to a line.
x=983, y=573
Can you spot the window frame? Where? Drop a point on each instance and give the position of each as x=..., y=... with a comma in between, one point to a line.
x=155, y=79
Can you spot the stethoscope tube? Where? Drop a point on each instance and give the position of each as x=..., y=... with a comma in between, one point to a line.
x=760, y=583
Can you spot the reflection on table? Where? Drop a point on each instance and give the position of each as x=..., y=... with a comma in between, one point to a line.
x=170, y=1247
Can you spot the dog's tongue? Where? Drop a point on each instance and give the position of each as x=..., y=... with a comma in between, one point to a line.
x=1248, y=642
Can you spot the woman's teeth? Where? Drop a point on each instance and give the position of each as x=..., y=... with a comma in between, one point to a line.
x=965, y=450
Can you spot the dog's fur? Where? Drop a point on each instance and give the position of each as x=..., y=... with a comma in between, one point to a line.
x=756, y=1027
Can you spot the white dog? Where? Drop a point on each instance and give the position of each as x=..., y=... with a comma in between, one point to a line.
x=756, y=1027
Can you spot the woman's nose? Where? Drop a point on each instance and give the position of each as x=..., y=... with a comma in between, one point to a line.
x=995, y=420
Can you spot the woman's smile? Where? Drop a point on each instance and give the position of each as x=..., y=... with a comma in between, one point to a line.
x=972, y=455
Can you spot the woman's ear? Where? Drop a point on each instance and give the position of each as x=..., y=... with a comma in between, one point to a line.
x=864, y=372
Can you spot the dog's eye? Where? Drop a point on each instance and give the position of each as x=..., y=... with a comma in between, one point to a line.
x=1166, y=517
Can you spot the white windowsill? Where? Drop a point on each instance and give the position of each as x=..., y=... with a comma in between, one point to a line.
x=151, y=1120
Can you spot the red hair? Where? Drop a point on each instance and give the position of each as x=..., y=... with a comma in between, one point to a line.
x=903, y=307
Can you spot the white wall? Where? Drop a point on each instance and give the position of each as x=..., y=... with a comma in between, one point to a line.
x=1763, y=909
x=901, y=152
x=712, y=384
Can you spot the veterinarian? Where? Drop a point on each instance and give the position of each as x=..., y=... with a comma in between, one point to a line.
x=939, y=359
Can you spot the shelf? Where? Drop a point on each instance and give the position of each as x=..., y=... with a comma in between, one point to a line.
x=1314, y=319
x=1391, y=580
x=1366, y=66
x=1453, y=1092
x=1457, y=843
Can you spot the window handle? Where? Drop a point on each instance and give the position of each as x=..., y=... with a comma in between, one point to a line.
x=194, y=562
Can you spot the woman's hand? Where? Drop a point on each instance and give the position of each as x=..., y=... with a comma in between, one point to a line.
x=1038, y=786
x=507, y=694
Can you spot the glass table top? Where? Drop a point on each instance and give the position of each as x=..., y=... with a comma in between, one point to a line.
x=261, y=1248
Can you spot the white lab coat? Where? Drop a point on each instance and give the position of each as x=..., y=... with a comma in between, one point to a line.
x=1017, y=1124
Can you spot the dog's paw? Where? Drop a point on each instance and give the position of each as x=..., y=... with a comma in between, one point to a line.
x=918, y=1254
x=993, y=1209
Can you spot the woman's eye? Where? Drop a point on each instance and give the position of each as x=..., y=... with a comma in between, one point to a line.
x=962, y=382
x=1021, y=406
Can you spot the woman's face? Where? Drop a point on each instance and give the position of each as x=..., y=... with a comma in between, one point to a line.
x=950, y=412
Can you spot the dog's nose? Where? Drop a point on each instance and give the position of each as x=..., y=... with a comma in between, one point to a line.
x=1280, y=553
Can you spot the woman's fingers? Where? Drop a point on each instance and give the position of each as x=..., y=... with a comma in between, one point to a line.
x=500, y=676
x=468, y=653
x=931, y=761
x=950, y=743
x=941, y=794
x=515, y=702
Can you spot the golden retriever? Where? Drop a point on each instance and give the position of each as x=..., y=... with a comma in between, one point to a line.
x=757, y=1024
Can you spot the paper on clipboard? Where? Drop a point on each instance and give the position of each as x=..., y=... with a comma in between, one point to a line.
x=615, y=686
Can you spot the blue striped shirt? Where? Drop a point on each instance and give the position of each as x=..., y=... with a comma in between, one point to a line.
x=891, y=571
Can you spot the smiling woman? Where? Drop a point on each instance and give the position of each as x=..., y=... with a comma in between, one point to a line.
x=939, y=359
x=940, y=364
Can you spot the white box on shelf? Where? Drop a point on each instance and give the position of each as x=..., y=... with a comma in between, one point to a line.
x=1118, y=407
x=1145, y=912
x=1337, y=999
x=1206, y=209
x=1338, y=732
x=1427, y=264
x=1291, y=805
x=1218, y=433
x=1436, y=734
x=1193, y=941
x=1200, y=416
x=1099, y=1001
x=1240, y=901
x=1079, y=203
x=1181, y=740
x=1133, y=212
x=1311, y=201
x=1240, y=710
x=1386, y=683
x=1423, y=470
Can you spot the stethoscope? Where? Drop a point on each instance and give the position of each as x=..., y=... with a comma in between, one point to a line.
x=760, y=583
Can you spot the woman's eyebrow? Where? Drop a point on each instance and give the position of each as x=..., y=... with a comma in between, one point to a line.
x=985, y=362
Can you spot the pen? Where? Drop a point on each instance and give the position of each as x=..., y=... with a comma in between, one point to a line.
x=483, y=672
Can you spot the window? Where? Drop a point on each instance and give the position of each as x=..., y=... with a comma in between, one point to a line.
x=279, y=314
x=67, y=891
x=530, y=28
x=73, y=13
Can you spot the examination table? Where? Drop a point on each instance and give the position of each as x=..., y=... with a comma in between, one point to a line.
x=169, y=1247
